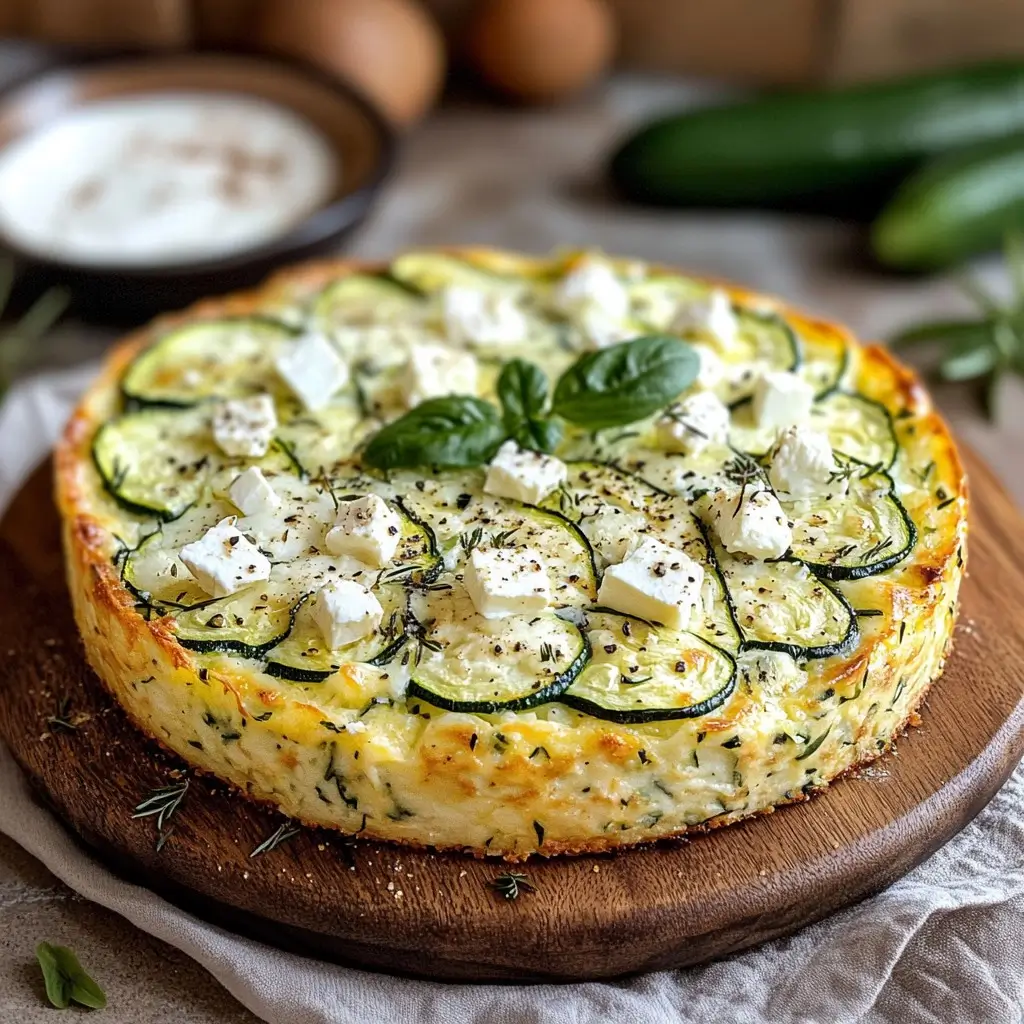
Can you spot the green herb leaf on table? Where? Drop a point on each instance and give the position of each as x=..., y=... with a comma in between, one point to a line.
x=523, y=393
x=985, y=348
x=626, y=382
x=66, y=981
x=454, y=431
x=511, y=884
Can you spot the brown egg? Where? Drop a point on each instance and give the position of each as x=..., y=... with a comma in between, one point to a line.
x=391, y=49
x=540, y=50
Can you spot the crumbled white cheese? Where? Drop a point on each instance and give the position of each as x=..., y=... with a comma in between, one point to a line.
x=366, y=528
x=523, y=475
x=313, y=370
x=612, y=531
x=355, y=727
x=436, y=370
x=694, y=423
x=781, y=399
x=710, y=314
x=802, y=463
x=656, y=582
x=507, y=581
x=712, y=369
x=473, y=316
x=344, y=612
x=593, y=296
x=593, y=283
x=772, y=673
x=244, y=427
x=751, y=522
x=251, y=494
x=223, y=561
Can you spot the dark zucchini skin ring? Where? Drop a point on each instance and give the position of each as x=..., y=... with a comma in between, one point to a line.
x=891, y=461
x=137, y=400
x=777, y=322
x=844, y=366
x=112, y=487
x=827, y=571
x=574, y=529
x=796, y=651
x=551, y=692
x=305, y=675
x=639, y=717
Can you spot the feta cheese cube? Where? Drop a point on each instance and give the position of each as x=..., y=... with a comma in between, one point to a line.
x=345, y=611
x=751, y=523
x=366, y=528
x=710, y=314
x=592, y=284
x=802, y=463
x=473, y=316
x=712, y=369
x=251, y=494
x=523, y=475
x=223, y=561
x=612, y=531
x=434, y=370
x=244, y=427
x=656, y=582
x=694, y=423
x=600, y=330
x=313, y=370
x=507, y=581
x=781, y=399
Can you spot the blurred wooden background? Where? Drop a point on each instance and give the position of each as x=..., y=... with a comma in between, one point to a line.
x=764, y=41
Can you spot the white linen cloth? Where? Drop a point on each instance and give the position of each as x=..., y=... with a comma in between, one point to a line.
x=943, y=944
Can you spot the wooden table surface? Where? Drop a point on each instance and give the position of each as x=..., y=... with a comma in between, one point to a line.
x=521, y=180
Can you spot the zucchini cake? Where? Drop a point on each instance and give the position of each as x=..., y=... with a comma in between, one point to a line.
x=512, y=555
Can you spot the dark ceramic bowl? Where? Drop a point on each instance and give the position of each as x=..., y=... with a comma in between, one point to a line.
x=124, y=294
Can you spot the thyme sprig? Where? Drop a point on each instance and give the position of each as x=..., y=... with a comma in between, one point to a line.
x=285, y=831
x=162, y=803
x=510, y=884
x=62, y=718
x=985, y=348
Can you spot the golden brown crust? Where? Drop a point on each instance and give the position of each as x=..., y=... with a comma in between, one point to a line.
x=130, y=654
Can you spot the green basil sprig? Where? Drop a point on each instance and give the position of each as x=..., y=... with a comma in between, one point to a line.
x=610, y=388
x=523, y=393
x=66, y=982
x=453, y=431
x=625, y=382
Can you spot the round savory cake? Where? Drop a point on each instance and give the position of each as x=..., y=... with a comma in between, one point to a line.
x=512, y=555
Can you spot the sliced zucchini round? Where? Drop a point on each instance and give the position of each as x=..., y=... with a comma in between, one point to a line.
x=765, y=342
x=464, y=662
x=155, y=462
x=210, y=359
x=782, y=606
x=365, y=299
x=463, y=518
x=644, y=673
x=825, y=362
x=431, y=272
x=849, y=536
x=249, y=623
x=303, y=657
x=858, y=427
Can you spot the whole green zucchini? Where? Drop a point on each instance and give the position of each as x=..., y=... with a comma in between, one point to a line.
x=835, y=149
x=956, y=206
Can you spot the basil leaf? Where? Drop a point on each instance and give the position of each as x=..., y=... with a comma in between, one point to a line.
x=66, y=982
x=523, y=392
x=625, y=382
x=457, y=430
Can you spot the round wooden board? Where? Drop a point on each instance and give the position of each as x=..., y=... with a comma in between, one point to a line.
x=437, y=915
